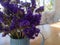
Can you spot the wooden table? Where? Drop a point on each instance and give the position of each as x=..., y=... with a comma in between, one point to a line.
x=55, y=26
x=55, y=34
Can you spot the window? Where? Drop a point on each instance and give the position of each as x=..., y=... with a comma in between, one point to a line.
x=48, y=4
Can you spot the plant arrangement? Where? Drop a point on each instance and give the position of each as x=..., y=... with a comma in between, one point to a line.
x=17, y=22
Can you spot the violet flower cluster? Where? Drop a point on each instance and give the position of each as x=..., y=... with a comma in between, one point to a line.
x=17, y=23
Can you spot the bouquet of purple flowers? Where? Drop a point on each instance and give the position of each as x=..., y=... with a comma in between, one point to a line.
x=18, y=24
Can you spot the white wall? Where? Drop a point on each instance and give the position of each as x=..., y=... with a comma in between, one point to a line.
x=57, y=8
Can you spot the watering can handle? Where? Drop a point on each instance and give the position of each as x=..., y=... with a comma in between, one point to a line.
x=43, y=39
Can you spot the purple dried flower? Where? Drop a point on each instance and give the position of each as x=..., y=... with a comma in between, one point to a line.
x=15, y=19
x=41, y=9
x=5, y=4
x=13, y=8
x=29, y=15
x=24, y=23
x=26, y=4
x=12, y=26
x=10, y=7
x=2, y=1
x=6, y=29
x=1, y=17
x=21, y=13
x=29, y=12
x=33, y=3
x=34, y=19
x=1, y=27
x=31, y=32
x=14, y=23
x=18, y=1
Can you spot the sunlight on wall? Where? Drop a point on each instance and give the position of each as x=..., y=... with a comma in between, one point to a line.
x=56, y=25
